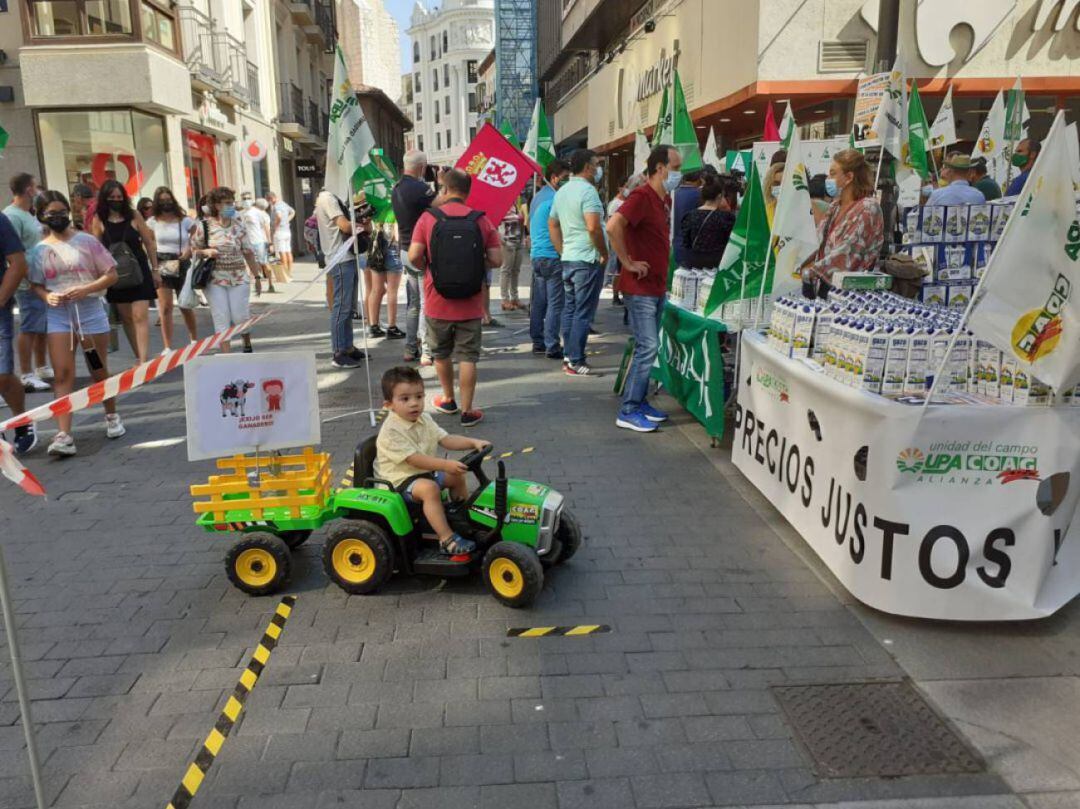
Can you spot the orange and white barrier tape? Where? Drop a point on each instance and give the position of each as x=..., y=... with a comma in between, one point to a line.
x=98, y=392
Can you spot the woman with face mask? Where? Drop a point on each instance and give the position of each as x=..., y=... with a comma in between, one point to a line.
x=70, y=270
x=853, y=231
x=222, y=236
x=774, y=177
x=172, y=233
x=126, y=235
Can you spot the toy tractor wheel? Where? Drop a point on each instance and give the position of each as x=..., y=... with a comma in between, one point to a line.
x=568, y=535
x=358, y=557
x=513, y=573
x=294, y=539
x=259, y=563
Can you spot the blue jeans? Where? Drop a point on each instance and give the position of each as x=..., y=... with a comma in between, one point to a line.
x=343, y=277
x=582, y=282
x=645, y=312
x=546, y=306
x=415, y=333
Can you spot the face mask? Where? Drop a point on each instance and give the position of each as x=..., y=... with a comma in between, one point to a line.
x=673, y=181
x=775, y=192
x=228, y=212
x=58, y=222
x=599, y=175
x=205, y=210
x=117, y=205
x=831, y=188
x=1019, y=160
x=168, y=207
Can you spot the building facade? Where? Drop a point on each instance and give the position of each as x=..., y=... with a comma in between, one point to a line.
x=447, y=47
x=604, y=63
x=188, y=95
x=368, y=34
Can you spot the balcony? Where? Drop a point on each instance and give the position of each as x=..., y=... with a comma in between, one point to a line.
x=197, y=35
x=291, y=118
x=302, y=11
x=231, y=52
x=313, y=119
x=324, y=18
x=254, y=100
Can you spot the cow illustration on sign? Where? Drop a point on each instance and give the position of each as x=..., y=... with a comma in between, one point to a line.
x=233, y=397
x=273, y=395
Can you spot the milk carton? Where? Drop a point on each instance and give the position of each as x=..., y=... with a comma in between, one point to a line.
x=958, y=296
x=1009, y=365
x=933, y=224
x=956, y=223
x=911, y=223
x=876, y=354
x=705, y=291
x=953, y=256
x=678, y=286
x=822, y=328
x=999, y=219
x=934, y=294
x=802, y=331
x=958, y=366
x=993, y=374
x=1039, y=395
x=918, y=362
x=896, y=360
x=983, y=351
x=979, y=222
x=1021, y=386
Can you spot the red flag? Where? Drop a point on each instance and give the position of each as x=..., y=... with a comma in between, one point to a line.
x=499, y=172
x=772, y=131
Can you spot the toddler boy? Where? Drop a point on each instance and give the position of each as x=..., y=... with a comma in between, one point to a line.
x=406, y=446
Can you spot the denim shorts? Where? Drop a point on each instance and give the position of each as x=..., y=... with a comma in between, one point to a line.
x=262, y=253
x=7, y=339
x=87, y=316
x=31, y=312
x=440, y=478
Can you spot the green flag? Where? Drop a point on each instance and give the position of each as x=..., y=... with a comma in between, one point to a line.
x=3, y=139
x=376, y=179
x=662, y=131
x=539, y=144
x=508, y=133
x=349, y=140
x=918, y=141
x=684, y=136
x=741, y=268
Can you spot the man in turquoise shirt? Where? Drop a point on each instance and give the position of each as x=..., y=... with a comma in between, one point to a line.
x=546, y=306
x=576, y=225
x=32, y=309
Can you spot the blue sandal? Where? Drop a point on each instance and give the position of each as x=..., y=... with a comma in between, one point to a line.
x=457, y=545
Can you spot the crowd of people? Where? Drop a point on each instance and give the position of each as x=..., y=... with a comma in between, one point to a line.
x=66, y=263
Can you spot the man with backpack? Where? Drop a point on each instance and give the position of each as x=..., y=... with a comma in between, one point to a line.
x=455, y=245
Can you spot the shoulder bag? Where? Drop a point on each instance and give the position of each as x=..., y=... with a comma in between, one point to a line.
x=202, y=268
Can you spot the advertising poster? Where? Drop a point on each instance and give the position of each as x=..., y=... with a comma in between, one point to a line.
x=966, y=513
x=238, y=403
x=868, y=100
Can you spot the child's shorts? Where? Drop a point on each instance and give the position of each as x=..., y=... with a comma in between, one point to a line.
x=440, y=478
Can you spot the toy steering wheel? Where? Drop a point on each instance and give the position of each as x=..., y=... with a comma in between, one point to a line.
x=476, y=457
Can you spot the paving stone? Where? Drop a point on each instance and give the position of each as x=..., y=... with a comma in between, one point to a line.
x=534, y=796
x=374, y=743
x=299, y=747
x=476, y=770
x=414, y=715
x=549, y=765
x=402, y=773
x=445, y=690
x=441, y=798
x=746, y=787
x=649, y=732
x=607, y=793
x=509, y=687
x=575, y=735
x=670, y=790
x=358, y=799
x=513, y=738
x=620, y=761
x=309, y=776
x=444, y=741
x=485, y=712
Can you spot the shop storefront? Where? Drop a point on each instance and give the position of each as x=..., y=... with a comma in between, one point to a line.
x=90, y=147
x=202, y=160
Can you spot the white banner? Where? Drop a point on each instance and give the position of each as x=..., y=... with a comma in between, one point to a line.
x=237, y=403
x=817, y=155
x=963, y=514
x=943, y=130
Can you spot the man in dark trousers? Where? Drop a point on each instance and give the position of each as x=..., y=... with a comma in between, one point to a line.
x=640, y=233
x=410, y=198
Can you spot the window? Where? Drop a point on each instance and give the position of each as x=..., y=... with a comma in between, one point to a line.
x=420, y=142
x=446, y=74
x=447, y=138
x=419, y=111
x=472, y=102
x=445, y=46
x=472, y=133
x=415, y=52
x=435, y=79
x=470, y=71
x=72, y=18
x=446, y=105
x=437, y=119
x=438, y=141
x=416, y=81
x=434, y=55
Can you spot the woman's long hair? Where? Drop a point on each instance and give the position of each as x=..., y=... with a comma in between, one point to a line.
x=854, y=162
x=103, y=210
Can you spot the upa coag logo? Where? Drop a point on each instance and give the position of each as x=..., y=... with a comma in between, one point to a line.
x=1038, y=333
x=910, y=460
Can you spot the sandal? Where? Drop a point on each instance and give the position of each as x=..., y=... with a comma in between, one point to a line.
x=456, y=544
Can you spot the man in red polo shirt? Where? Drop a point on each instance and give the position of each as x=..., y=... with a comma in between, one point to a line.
x=640, y=233
x=454, y=324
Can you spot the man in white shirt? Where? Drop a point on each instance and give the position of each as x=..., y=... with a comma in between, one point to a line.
x=257, y=226
x=281, y=216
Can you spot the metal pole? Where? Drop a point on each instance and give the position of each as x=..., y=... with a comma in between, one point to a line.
x=885, y=57
x=20, y=685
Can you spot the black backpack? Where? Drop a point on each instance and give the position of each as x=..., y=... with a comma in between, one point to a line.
x=129, y=273
x=458, y=256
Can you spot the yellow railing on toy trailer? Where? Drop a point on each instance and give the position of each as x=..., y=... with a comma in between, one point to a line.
x=285, y=481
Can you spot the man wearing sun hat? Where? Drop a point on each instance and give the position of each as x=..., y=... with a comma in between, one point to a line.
x=957, y=171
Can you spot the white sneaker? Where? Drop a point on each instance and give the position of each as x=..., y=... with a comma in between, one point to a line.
x=62, y=444
x=114, y=428
x=32, y=383
x=45, y=372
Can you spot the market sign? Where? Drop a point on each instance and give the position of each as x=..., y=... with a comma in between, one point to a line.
x=306, y=168
x=659, y=75
x=961, y=512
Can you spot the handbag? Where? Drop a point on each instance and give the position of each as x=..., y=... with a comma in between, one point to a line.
x=202, y=268
x=169, y=264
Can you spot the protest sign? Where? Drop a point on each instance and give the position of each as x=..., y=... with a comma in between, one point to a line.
x=237, y=403
x=868, y=99
x=965, y=512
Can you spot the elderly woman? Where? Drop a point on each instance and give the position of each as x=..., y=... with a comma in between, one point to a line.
x=853, y=230
x=220, y=235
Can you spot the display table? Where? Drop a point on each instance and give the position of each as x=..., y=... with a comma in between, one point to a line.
x=690, y=365
x=960, y=512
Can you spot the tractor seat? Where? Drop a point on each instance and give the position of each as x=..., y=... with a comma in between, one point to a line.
x=364, y=472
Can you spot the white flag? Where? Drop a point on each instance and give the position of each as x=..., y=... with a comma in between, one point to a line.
x=711, y=155
x=890, y=123
x=787, y=126
x=943, y=131
x=793, y=223
x=1074, y=152
x=349, y=141
x=641, y=152
x=1028, y=304
x=991, y=142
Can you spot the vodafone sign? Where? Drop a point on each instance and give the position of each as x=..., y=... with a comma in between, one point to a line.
x=254, y=150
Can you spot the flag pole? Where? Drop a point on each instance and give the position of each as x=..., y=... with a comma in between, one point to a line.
x=362, y=302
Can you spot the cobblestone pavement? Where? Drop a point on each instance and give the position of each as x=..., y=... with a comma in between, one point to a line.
x=415, y=697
